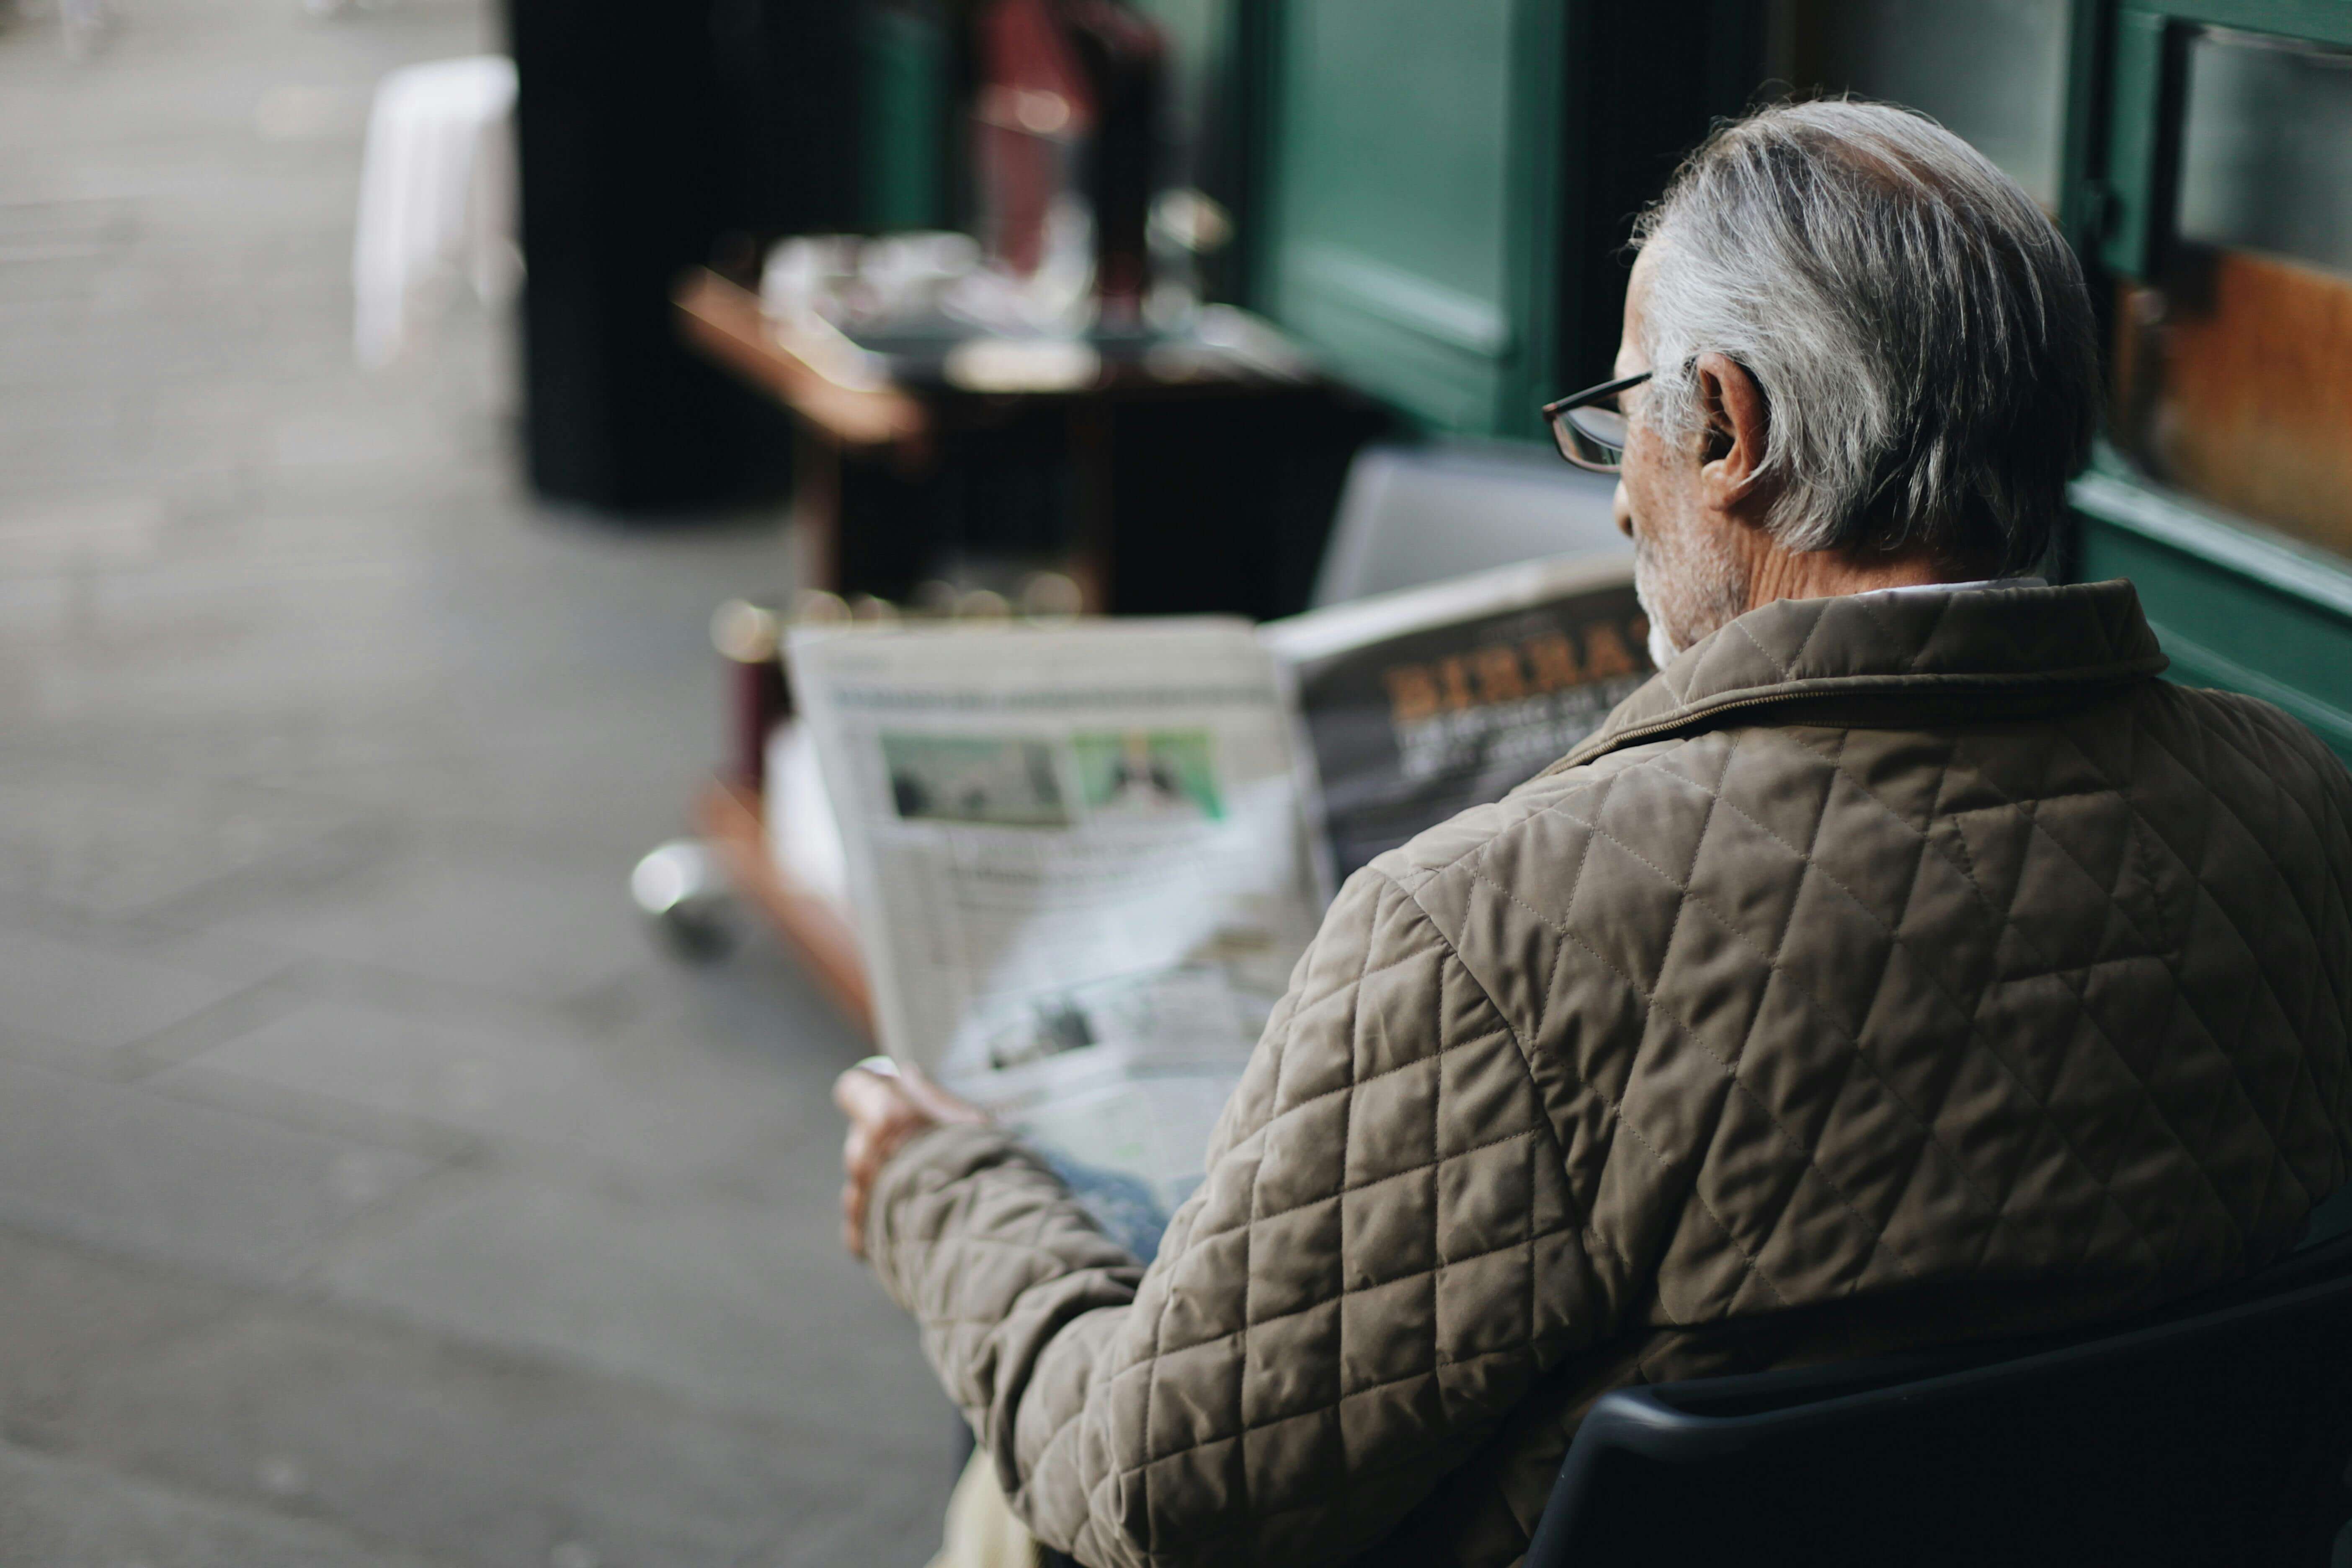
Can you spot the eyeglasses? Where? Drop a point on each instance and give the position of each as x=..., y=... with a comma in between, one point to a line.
x=1590, y=428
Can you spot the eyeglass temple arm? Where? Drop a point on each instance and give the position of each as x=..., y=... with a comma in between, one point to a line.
x=1592, y=393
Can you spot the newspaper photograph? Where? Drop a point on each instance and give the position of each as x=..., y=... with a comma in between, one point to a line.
x=1079, y=865
x=1421, y=703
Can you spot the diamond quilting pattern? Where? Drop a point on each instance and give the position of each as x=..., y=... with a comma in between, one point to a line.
x=1746, y=1016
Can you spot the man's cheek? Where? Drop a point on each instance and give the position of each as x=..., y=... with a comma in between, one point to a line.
x=1644, y=518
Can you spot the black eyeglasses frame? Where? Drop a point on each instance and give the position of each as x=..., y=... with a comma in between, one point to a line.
x=1568, y=433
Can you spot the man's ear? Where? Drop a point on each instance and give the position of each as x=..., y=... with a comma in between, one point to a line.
x=1738, y=421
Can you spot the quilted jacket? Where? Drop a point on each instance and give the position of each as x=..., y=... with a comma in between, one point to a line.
x=1890, y=969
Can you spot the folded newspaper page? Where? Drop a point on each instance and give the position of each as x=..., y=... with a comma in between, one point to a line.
x=1420, y=704
x=1079, y=863
x=1084, y=860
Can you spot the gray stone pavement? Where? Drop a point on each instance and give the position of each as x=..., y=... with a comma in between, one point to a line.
x=372, y=1191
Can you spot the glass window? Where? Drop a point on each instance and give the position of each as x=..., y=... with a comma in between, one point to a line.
x=1992, y=71
x=2266, y=151
x=2233, y=362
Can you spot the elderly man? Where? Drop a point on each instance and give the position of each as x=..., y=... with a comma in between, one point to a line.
x=1904, y=963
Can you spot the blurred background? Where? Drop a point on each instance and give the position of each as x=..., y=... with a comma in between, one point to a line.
x=418, y=416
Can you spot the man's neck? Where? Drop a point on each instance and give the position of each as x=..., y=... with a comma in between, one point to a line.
x=1779, y=573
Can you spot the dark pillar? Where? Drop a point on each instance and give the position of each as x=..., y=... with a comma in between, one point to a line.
x=649, y=135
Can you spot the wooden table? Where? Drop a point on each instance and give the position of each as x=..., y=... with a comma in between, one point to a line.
x=724, y=320
x=1188, y=474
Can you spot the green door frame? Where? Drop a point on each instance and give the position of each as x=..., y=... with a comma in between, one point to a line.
x=1602, y=99
x=1428, y=345
x=2236, y=603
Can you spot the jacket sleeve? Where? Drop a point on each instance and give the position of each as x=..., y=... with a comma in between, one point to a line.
x=1385, y=1255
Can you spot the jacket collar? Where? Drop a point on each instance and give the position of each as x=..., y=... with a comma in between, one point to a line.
x=1948, y=641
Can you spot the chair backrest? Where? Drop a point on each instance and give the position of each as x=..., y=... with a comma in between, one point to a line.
x=1411, y=515
x=2216, y=1436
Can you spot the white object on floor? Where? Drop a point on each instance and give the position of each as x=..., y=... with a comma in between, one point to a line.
x=803, y=834
x=437, y=198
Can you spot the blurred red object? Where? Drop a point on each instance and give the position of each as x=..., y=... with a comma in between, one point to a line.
x=1068, y=107
x=1034, y=109
x=748, y=637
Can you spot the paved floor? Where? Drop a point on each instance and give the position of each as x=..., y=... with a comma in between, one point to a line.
x=371, y=1190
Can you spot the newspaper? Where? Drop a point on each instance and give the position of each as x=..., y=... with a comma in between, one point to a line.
x=1079, y=863
x=1420, y=704
x=1084, y=861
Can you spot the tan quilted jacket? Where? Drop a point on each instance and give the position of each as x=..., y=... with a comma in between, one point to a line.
x=1889, y=969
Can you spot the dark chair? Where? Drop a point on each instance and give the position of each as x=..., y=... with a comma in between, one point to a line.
x=2217, y=1434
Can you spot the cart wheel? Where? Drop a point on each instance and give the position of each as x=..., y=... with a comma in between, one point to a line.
x=682, y=890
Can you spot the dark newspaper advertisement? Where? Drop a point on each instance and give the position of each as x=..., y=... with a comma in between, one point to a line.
x=1423, y=704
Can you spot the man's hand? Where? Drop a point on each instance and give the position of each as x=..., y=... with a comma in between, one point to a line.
x=887, y=1104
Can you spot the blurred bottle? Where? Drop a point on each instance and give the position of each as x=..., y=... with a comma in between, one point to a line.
x=1032, y=113
x=1125, y=58
x=1067, y=137
x=749, y=638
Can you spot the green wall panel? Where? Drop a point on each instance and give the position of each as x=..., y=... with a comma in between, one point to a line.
x=2326, y=21
x=1410, y=184
x=2232, y=609
x=906, y=66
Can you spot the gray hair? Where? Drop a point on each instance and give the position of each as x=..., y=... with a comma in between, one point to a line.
x=1920, y=330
